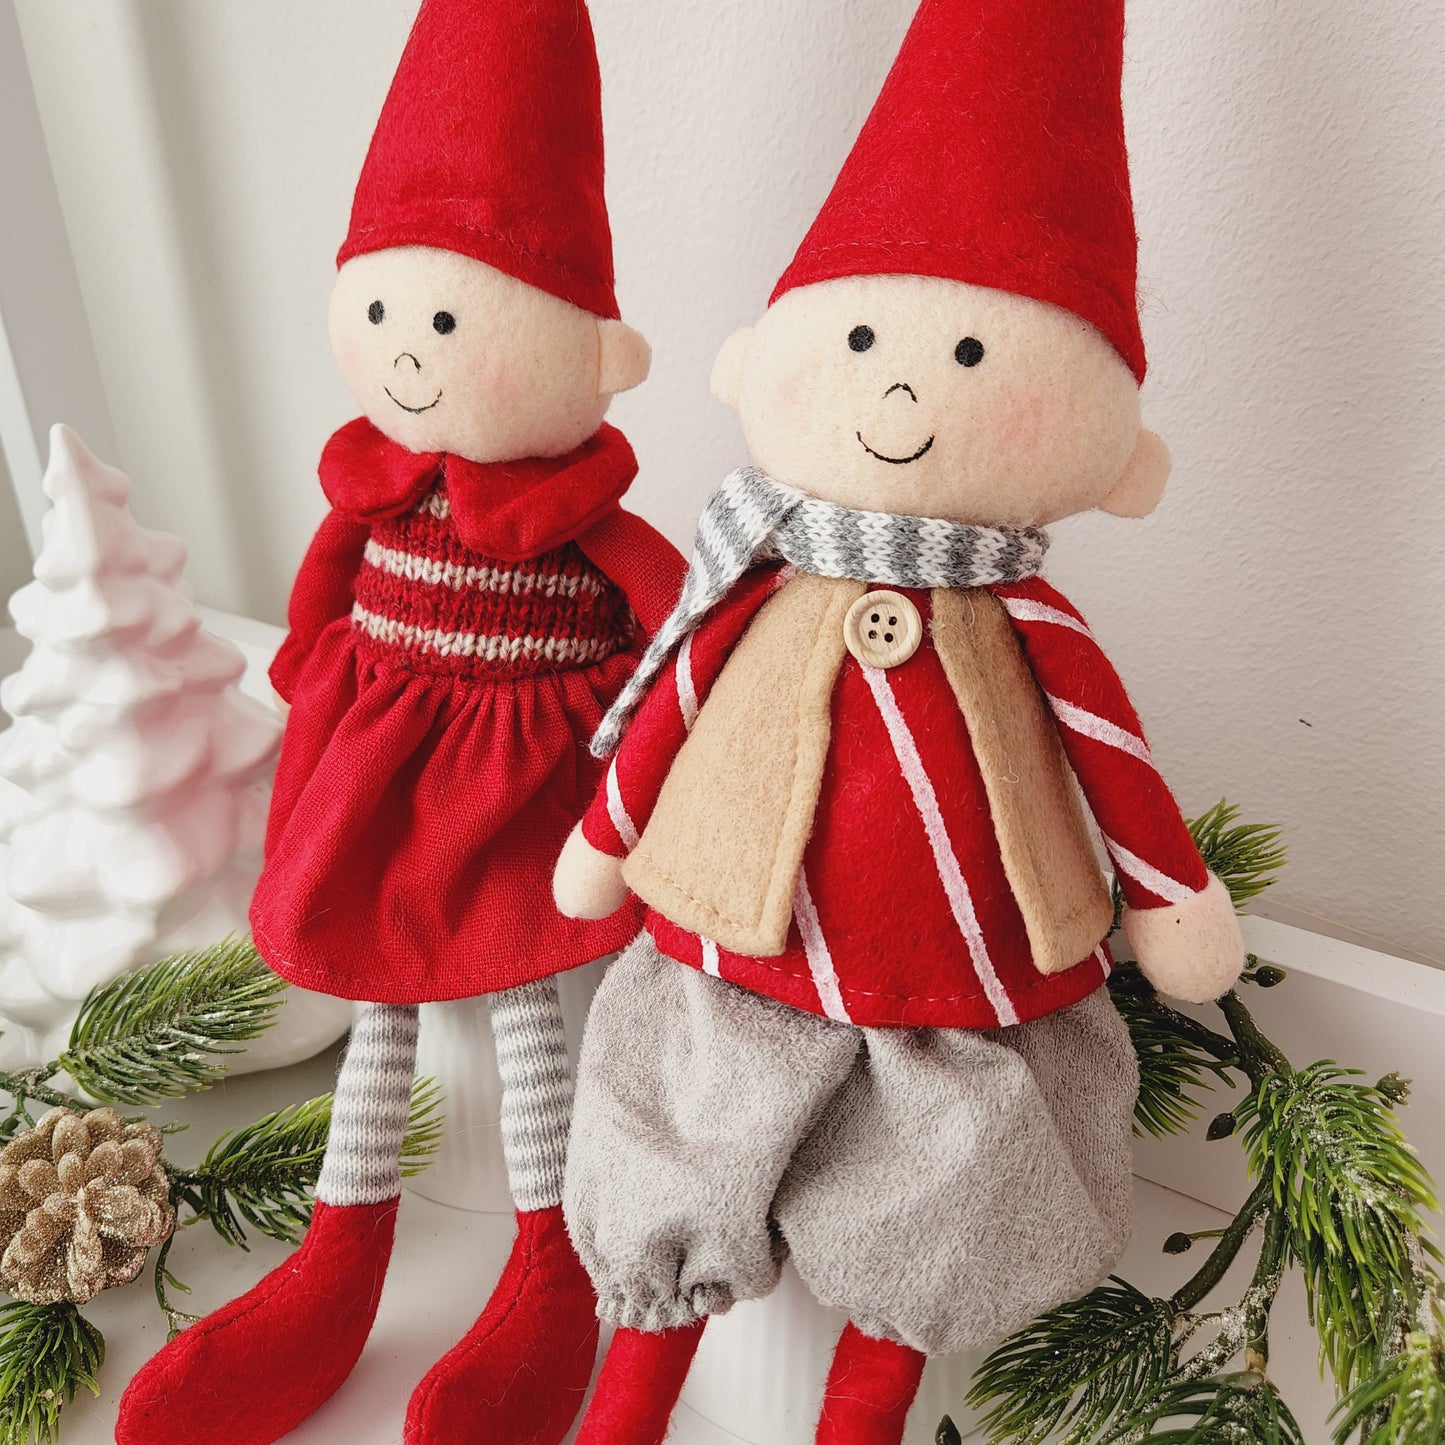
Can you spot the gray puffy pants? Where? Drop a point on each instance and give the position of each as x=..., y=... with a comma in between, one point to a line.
x=942, y=1186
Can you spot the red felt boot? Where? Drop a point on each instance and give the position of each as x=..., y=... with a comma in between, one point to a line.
x=255, y=1369
x=870, y=1387
x=637, y=1390
x=520, y=1374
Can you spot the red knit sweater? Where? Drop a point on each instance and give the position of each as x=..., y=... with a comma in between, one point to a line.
x=422, y=591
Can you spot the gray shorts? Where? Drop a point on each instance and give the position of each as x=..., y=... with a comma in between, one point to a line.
x=942, y=1186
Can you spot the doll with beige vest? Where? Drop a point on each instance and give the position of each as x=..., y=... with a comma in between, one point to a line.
x=866, y=1024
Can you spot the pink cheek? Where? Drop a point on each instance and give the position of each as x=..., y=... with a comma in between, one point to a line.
x=496, y=384
x=792, y=390
x=351, y=361
x=1023, y=416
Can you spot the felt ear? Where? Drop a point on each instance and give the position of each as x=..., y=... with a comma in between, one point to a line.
x=1141, y=488
x=626, y=358
x=727, y=370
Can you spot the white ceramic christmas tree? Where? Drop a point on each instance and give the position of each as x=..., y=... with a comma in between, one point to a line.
x=135, y=778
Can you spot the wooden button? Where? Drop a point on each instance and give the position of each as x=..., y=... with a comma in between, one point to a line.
x=883, y=629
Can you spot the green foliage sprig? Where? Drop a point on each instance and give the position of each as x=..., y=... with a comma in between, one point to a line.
x=1245, y=856
x=263, y=1175
x=1353, y=1190
x=166, y=1031
x=1120, y=1353
x=1403, y=1399
x=1338, y=1194
x=158, y=1033
x=1173, y=1066
x=48, y=1354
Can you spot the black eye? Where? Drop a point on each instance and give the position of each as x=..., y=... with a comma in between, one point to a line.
x=376, y=313
x=444, y=322
x=969, y=351
x=860, y=338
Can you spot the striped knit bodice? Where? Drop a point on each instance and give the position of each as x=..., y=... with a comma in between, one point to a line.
x=423, y=593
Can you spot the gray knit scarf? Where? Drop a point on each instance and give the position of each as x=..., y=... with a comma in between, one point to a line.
x=751, y=519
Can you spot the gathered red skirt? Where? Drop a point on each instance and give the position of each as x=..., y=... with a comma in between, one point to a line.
x=415, y=824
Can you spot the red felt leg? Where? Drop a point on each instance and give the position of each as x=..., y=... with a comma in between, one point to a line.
x=519, y=1375
x=637, y=1390
x=255, y=1369
x=870, y=1387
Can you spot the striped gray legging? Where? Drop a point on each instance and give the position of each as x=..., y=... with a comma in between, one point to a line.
x=373, y=1097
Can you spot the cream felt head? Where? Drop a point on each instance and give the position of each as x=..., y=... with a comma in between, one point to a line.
x=931, y=397
x=448, y=354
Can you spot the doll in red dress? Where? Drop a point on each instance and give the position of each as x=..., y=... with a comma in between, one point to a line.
x=865, y=1026
x=469, y=609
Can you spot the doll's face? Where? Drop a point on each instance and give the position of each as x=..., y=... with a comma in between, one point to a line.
x=446, y=354
x=921, y=396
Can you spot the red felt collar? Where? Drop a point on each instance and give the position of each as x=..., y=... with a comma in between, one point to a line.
x=509, y=510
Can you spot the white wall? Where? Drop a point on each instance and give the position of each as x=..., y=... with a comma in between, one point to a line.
x=1281, y=618
x=14, y=552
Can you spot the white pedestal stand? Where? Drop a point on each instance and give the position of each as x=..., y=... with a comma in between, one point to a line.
x=760, y=1371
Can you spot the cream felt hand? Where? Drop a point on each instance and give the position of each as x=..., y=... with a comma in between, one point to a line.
x=1193, y=950
x=587, y=882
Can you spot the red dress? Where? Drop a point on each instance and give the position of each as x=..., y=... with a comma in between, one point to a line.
x=457, y=632
x=903, y=915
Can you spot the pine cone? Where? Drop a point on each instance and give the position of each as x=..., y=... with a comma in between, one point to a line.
x=82, y=1198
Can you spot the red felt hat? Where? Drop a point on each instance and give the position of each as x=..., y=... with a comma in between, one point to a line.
x=995, y=155
x=490, y=145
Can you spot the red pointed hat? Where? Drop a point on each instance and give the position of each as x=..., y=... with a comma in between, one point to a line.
x=995, y=156
x=490, y=145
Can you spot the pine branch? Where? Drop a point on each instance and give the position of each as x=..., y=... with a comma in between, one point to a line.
x=1231, y=1240
x=166, y=1030
x=1259, y=1057
x=48, y=1354
x=1402, y=1402
x=31, y=1086
x=1354, y=1192
x=1078, y=1368
x=1263, y=1291
x=425, y=1127
x=1245, y=856
x=1225, y=1410
x=263, y=1175
x=1175, y=1063
x=1339, y=1191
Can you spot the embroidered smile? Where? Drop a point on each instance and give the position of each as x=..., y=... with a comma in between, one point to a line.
x=922, y=451
x=417, y=410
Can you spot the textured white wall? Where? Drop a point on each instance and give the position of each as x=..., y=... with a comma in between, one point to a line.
x=14, y=553
x=1280, y=620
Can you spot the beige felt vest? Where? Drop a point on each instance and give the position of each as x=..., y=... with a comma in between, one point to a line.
x=721, y=853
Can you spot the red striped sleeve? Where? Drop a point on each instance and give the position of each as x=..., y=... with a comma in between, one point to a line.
x=1155, y=858
x=625, y=801
x=322, y=592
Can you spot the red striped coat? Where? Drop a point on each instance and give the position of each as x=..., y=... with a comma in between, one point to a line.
x=903, y=915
